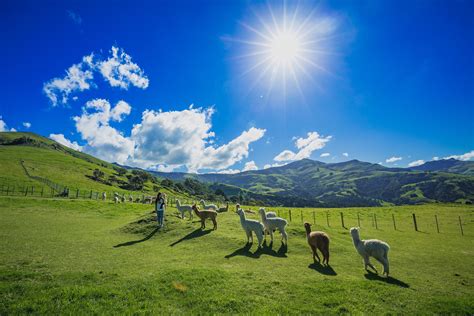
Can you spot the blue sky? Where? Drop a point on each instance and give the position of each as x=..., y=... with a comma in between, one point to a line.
x=379, y=80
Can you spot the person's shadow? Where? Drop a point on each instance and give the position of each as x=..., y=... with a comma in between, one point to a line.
x=194, y=234
x=133, y=242
x=389, y=280
x=264, y=250
x=327, y=270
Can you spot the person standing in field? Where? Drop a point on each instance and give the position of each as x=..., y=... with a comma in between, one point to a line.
x=160, y=208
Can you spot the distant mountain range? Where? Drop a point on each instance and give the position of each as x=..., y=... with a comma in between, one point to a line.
x=300, y=183
x=351, y=183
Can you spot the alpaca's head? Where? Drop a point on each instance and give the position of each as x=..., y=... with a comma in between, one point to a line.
x=240, y=212
x=202, y=202
x=178, y=202
x=262, y=212
x=307, y=225
x=355, y=232
x=195, y=208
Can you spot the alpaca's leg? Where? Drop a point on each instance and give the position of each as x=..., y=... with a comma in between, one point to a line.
x=385, y=263
x=325, y=251
x=271, y=235
x=248, y=233
x=284, y=236
x=367, y=263
x=315, y=254
x=260, y=238
x=203, y=223
x=215, y=223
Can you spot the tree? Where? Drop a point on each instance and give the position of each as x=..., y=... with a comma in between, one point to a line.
x=98, y=174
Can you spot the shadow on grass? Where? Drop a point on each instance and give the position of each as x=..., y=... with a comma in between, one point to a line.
x=327, y=270
x=194, y=234
x=388, y=280
x=133, y=242
x=264, y=250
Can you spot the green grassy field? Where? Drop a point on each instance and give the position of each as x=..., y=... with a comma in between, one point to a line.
x=82, y=257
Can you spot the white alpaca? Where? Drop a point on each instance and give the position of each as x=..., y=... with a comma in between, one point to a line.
x=130, y=198
x=116, y=199
x=272, y=223
x=209, y=206
x=249, y=226
x=371, y=248
x=184, y=208
x=271, y=214
x=104, y=196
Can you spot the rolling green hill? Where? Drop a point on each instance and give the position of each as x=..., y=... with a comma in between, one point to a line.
x=27, y=159
x=352, y=183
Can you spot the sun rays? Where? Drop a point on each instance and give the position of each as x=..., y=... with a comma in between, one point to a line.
x=283, y=50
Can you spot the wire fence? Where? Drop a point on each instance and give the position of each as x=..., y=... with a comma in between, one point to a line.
x=382, y=220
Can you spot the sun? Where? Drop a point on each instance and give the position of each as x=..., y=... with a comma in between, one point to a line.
x=285, y=48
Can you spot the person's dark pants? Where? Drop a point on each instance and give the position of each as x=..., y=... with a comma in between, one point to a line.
x=159, y=217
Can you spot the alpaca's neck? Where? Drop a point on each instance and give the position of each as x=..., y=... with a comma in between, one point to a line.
x=356, y=240
x=198, y=213
x=308, y=230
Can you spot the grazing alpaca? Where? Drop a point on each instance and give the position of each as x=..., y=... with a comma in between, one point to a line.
x=272, y=223
x=137, y=200
x=130, y=198
x=208, y=207
x=249, y=226
x=205, y=214
x=183, y=209
x=318, y=240
x=271, y=214
x=116, y=199
x=104, y=196
x=371, y=248
x=223, y=209
x=123, y=198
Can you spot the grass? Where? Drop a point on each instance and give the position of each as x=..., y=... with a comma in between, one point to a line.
x=83, y=257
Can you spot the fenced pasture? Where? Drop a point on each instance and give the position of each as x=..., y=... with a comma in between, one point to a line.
x=76, y=256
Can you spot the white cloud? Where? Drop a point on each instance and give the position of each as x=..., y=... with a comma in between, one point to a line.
x=345, y=154
x=228, y=171
x=64, y=141
x=4, y=127
x=435, y=158
x=184, y=138
x=120, y=71
x=306, y=146
x=393, y=159
x=325, y=155
x=464, y=157
x=274, y=165
x=416, y=163
x=78, y=78
x=163, y=168
x=76, y=18
x=27, y=125
x=103, y=140
x=250, y=165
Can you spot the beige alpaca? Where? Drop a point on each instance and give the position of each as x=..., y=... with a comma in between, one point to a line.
x=206, y=214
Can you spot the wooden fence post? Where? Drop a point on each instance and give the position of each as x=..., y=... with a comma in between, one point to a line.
x=460, y=226
x=289, y=214
x=8, y=189
x=372, y=220
x=90, y=197
x=32, y=190
x=437, y=225
x=314, y=217
x=26, y=191
x=77, y=193
x=414, y=222
x=375, y=219
x=394, y=225
x=342, y=220
x=42, y=191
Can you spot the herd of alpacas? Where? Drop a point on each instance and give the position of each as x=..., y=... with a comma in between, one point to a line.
x=270, y=222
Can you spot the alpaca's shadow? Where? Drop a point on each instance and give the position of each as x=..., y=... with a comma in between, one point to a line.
x=264, y=250
x=327, y=270
x=133, y=242
x=194, y=234
x=389, y=280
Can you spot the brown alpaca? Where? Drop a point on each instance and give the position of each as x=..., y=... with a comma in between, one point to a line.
x=318, y=240
x=205, y=214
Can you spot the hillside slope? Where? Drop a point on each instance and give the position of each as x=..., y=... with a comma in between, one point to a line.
x=26, y=157
x=351, y=183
